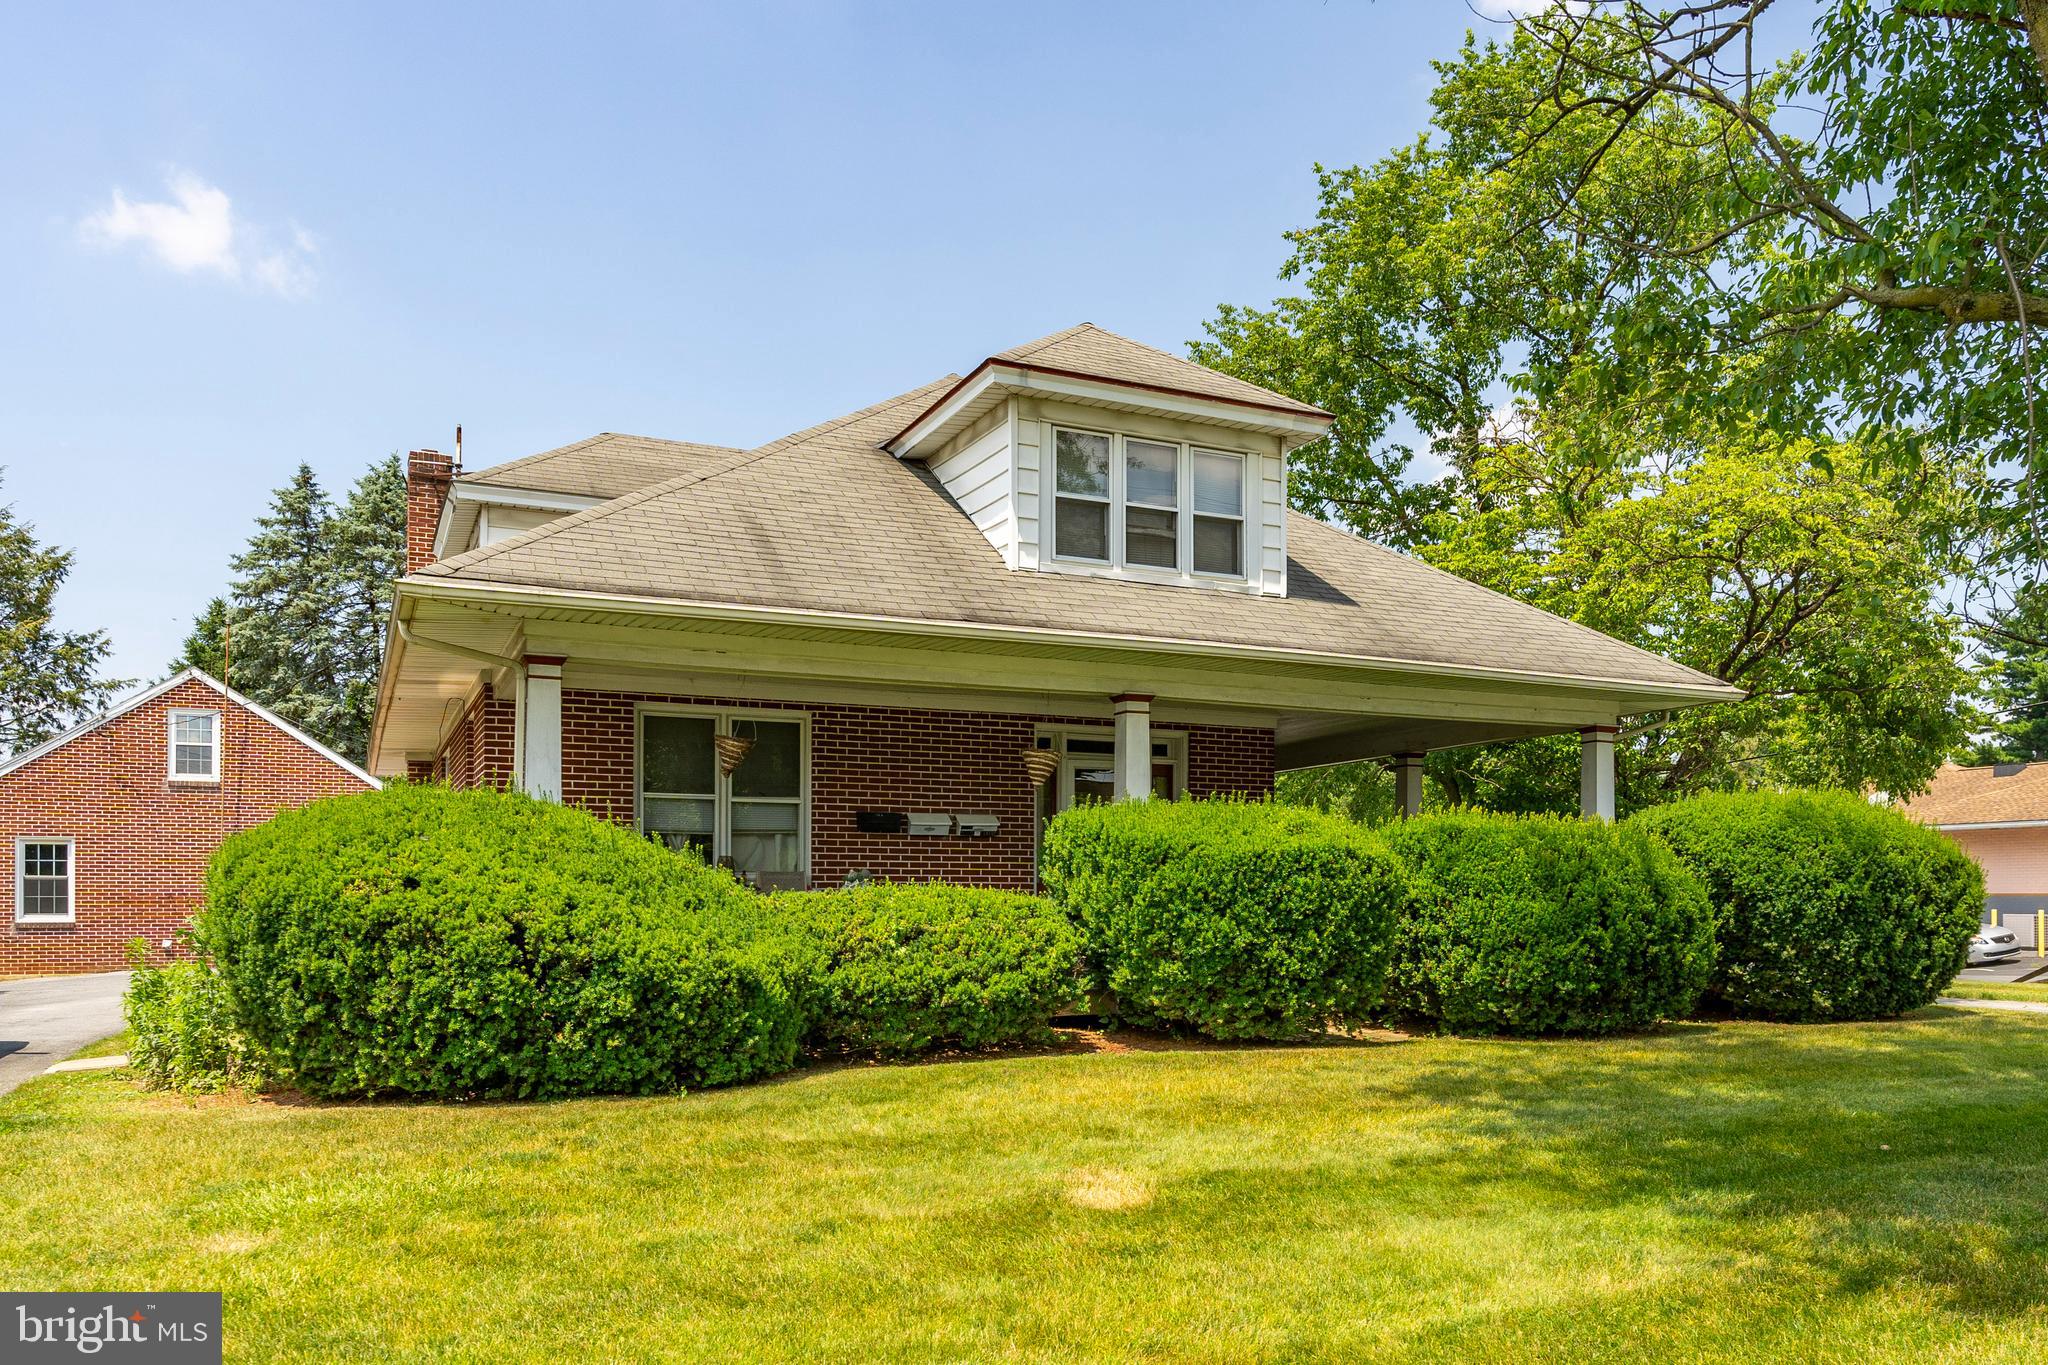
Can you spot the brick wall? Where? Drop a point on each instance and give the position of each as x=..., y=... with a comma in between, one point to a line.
x=2015, y=861
x=141, y=842
x=479, y=749
x=863, y=758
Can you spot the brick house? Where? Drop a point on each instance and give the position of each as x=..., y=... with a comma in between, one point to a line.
x=895, y=642
x=105, y=830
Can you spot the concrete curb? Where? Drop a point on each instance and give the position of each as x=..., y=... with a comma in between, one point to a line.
x=2016, y=1006
x=90, y=1064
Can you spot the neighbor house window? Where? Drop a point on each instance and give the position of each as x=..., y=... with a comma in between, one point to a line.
x=754, y=815
x=195, y=746
x=42, y=880
x=1157, y=506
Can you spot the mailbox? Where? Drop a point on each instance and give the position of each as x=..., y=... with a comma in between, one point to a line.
x=929, y=822
x=978, y=826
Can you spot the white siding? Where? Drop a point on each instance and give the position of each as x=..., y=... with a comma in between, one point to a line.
x=1272, y=521
x=494, y=523
x=975, y=469
x=1028, y=441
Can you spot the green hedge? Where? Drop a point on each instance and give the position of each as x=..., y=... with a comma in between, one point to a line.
x=1540, y=924
x=1238, y=919
x=183, y=1034
x=422, y=941
x=896, y=970
x=1827, y=907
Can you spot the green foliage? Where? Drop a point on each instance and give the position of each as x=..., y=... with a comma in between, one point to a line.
x=49, y=678
x=1237, y=919
x=1827, y=907
x=2013, y=681
x=183, y=1030
x=421, y=941
x=302, y=626
x=1537, y=924
x=903, y=969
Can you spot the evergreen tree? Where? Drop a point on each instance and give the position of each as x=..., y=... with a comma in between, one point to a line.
x=48, y=677
x=366, y=552
x=283, y=607
x=205, y=647
x=2014, y=682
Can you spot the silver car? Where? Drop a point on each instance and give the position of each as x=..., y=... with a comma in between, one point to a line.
x=1992, y=943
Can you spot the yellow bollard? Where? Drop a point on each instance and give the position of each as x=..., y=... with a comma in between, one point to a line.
x=1997, y=917
x=2040, y=923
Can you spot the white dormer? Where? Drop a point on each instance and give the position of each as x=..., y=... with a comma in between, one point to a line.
x=1088, y=453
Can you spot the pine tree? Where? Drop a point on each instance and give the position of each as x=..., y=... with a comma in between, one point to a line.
x=48, y=677
x=2014, y=683
x=205, y=647
x=283, y=607
x=366, y=551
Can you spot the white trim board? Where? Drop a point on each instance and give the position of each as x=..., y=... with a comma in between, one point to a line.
x=149, y=694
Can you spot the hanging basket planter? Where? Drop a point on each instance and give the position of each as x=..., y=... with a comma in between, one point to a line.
x=732, y=751
x=1040, y=764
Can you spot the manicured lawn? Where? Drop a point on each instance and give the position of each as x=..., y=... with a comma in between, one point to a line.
x=1999, y=990
x=1716, y=1192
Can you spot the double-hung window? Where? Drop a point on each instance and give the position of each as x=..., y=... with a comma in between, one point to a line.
x=42, y=880
x=1134, y=502
x=753, y=815
x=195, y=746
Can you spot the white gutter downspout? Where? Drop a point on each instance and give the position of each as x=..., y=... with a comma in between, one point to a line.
x=517, y=666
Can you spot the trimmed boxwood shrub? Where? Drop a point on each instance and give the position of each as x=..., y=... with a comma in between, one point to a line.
x=1238, y=919
x=1537, y=924
x=1826, y=906
x=903, y=969
x=422, y=941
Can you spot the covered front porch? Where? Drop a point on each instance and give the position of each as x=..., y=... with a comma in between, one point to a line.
x=805, y=752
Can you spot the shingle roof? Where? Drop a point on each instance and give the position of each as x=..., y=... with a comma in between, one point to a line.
x=607, y=465
x=1092, y=351
x=1982, y=796
x=823, y=520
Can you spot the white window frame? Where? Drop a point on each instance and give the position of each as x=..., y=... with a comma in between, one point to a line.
x=1118, y=507
x=171, y=719
x=21, y=845
x=724, y=718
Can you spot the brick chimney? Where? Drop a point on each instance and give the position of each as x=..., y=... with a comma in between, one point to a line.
x=427, y=476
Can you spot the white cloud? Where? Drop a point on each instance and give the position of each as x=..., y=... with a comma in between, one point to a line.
x=197, y=232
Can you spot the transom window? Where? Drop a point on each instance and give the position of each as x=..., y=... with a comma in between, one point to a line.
x=194, y=746
x=42, y=879
x=753, y=816
x=1135, y=502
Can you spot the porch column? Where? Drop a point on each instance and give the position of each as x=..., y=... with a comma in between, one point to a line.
x=1408, y=783
x=540, y=769
x=1596, y=772
x=1133, y=711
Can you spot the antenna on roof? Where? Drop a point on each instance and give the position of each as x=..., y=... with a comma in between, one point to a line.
x=458, y=447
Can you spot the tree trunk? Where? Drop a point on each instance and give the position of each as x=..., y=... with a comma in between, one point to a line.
x=2034, y=14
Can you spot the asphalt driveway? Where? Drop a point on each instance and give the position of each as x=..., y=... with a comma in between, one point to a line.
x=45, y=1019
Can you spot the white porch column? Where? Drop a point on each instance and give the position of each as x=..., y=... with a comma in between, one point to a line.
x=1596, y=772
x=1408, y=783
x=540, y=769
x=1133, y=711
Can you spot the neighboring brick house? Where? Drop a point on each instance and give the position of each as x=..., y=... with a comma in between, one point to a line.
x=896, y=642
x=105, y=831
x=1998, y=814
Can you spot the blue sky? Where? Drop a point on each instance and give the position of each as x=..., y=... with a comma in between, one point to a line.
x=237, y=239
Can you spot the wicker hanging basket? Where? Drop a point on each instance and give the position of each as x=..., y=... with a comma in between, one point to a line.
x=1040, y=764
x=732, y=751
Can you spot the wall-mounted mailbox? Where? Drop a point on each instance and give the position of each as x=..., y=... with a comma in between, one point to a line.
x=929, y=822
x=880, y=821
x=978, y=826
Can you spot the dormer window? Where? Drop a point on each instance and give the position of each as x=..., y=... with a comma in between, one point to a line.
x=1155, y=506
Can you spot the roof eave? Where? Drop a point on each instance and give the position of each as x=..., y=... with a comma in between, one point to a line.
x=1649, y=693
x=994, y=379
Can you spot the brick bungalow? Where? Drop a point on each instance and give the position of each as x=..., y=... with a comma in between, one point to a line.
x=893, y=643
x=105, y=831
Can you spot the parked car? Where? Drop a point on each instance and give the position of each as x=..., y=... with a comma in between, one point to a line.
x=1992, y=943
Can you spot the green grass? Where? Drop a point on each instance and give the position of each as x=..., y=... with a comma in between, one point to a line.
x=1999, y=990
x=1715, y=1192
